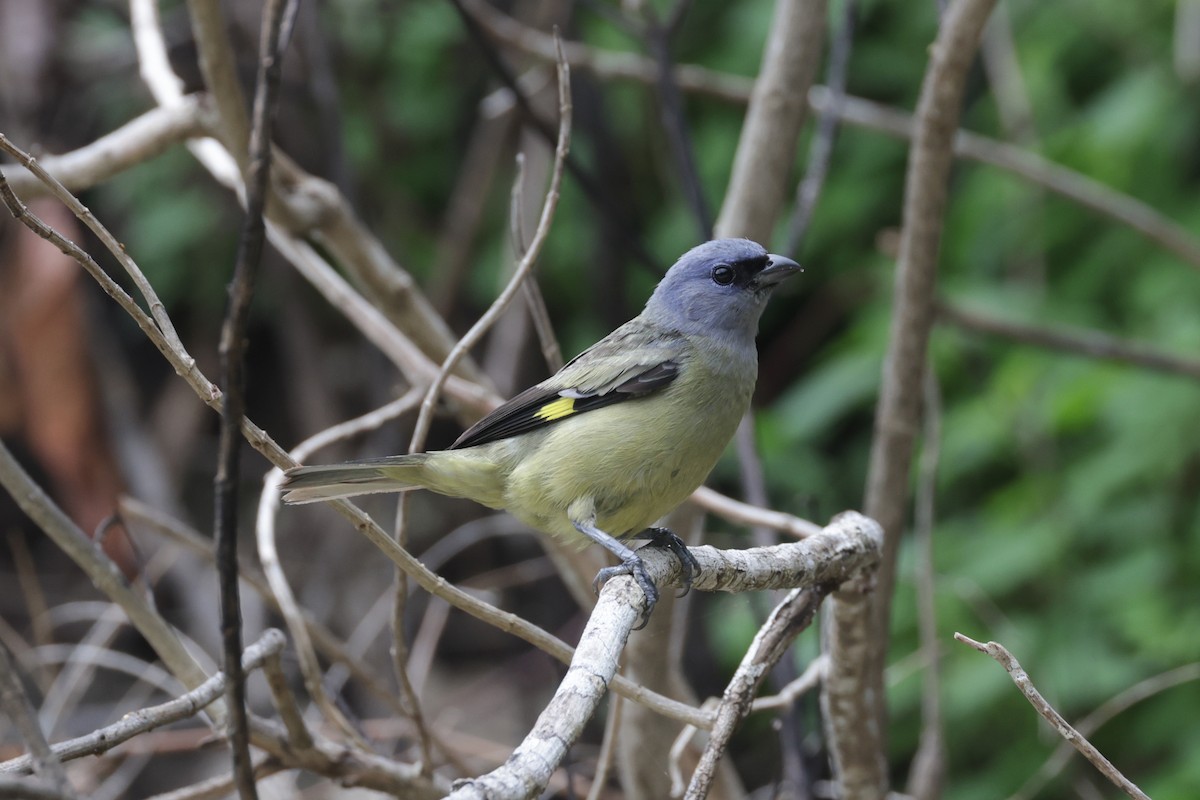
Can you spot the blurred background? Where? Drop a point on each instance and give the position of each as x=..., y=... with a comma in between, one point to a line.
x=1066, y=520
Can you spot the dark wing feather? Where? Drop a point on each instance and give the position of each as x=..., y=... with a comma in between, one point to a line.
x=547, y=403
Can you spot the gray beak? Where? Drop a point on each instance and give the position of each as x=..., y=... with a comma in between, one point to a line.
x=778, y=268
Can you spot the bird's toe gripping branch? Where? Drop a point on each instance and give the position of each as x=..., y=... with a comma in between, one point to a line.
x=632, y=564
x=635, y=567
x=688, y=565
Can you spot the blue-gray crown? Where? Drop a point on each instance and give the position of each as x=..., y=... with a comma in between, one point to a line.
x=719, y=287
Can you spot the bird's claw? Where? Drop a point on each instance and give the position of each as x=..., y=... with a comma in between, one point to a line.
x=689, y=567
x=636, y=568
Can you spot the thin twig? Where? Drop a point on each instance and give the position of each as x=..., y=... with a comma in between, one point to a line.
x=928, y=769
x=524, y=268
x=16, y=706
x=657, y=36
x=285, y=702
x=1092, y=722
x=533, y=292
x=785, y=623
x=233, y=364
x=1047, y=712
x=71, y=682
x=147, y=719
x=741, y=513
x=820, y=151
x=1080, y=341
x=805, y=682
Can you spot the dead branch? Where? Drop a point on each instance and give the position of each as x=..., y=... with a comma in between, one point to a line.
x=147, y=719
x=232, y=352
x=854, y=700
x=1047, y=712
x=104, y=575
x=16, y=706
x=141, y=139
x=787, y=620
x=1078, y=341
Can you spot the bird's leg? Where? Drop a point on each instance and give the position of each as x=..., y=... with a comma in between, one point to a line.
x=631, y=564
x=688, y=565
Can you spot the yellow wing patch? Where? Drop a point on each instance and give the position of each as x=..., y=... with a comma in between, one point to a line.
x=562, y=407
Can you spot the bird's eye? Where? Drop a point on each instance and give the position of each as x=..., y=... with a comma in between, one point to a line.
x=722, y=274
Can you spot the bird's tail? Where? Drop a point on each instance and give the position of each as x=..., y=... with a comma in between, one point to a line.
x=331, y=481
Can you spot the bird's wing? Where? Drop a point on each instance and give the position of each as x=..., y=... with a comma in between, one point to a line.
x=630, y=362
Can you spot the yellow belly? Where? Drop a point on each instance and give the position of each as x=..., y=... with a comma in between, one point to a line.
x=632, y=462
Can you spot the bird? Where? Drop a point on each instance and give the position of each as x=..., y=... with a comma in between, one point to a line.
x=617, y=438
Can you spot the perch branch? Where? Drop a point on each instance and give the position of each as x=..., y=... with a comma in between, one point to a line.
x=849, y=544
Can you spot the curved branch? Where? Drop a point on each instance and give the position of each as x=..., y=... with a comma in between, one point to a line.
x=140, y=139
x=104, y=575
x=147, y=719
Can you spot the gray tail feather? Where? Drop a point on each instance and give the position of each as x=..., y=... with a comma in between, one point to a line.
x=333, y=481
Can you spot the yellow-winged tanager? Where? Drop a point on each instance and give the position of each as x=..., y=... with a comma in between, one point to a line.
x=618, y=437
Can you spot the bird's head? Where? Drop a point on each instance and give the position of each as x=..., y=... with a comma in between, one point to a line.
x=719, y=286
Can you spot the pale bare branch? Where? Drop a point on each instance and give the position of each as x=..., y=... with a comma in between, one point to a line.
x=853, y=699
x=1048, y=713
x=147, y=719
x=138, y=140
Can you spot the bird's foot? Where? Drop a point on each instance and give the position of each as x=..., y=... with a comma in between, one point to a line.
x=688, y=565
x=636, y=568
